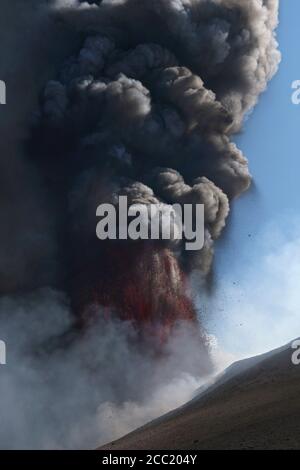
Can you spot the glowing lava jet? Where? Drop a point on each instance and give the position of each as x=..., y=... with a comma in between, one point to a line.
x=139, y=282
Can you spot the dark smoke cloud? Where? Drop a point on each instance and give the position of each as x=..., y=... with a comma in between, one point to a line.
x=142, y=98
x=156, y=92
x=31, y=48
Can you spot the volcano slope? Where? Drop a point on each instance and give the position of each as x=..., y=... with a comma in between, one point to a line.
x=254, y=404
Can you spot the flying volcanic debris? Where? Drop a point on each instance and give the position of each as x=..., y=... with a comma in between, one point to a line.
x=146, y=108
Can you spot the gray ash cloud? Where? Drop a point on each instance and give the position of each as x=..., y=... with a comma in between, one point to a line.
x=156, y=93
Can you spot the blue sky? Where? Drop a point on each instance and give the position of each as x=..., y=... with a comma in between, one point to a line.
x=251, y=310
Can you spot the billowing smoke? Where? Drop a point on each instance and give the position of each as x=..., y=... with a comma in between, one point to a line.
x=146, y=107
x=144, y=104
x=70, y=390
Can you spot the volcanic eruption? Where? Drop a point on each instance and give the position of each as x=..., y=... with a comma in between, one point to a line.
x=143, y=101
x=146, y=108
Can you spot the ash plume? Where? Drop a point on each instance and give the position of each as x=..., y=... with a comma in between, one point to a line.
x=142, y=98
x=148, y=106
